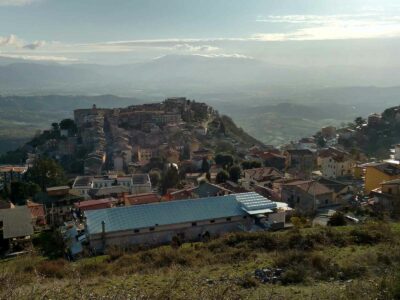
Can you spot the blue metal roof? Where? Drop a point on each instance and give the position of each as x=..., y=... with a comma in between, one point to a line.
x=255, y=202
x=164, y=213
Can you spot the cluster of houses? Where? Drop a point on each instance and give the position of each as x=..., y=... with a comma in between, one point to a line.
x=127, y=138
x=122, y=208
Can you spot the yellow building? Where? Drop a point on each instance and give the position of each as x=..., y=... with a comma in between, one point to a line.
x=376, y=173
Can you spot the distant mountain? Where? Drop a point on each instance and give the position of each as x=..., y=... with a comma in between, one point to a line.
x=22, y=116
x=180, y=74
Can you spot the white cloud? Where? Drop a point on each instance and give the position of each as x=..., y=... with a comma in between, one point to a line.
x=39, y=57
x=17, y=2
x=11, y=40
x=14, y=42
x=228, y=55
x=195, y=48
x=330, y=27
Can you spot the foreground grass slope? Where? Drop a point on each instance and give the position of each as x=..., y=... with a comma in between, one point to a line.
x=360, y=262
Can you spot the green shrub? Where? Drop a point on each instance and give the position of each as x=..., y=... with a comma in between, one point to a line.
x=337, y=219
x=247, y=281
x=294, y=275
x=290, y=258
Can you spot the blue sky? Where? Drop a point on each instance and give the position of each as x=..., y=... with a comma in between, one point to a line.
x=123, y=31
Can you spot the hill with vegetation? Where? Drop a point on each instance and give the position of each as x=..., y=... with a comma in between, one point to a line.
x=378, y=138
x=350, y=262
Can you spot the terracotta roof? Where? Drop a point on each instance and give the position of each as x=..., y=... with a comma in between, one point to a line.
x=334, y=185
x=142, y=198
x=268, y=155
x=15, y=169
x=260, y=174
x=104, y=203
x=335, y=154
x=37, y=210
x=309, y=186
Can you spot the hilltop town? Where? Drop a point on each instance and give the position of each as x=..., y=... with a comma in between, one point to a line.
x=177, y=172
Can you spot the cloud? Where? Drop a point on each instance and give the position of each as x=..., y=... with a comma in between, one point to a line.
x=194, y=48
x=17, y=2
x=11, y=40
x=333, y=27
x=34, y=45
x=39, y=57
x=227, y=55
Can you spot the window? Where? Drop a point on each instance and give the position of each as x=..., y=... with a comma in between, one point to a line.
x=137, y=230
x=194, y=224
x=389, y=190
x=298, y=199
x=212, y=221
x=244, y=217
x=1, y=224
x=228, y=219
x=151, y=228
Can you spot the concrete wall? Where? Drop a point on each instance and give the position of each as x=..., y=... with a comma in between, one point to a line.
x=164, y=234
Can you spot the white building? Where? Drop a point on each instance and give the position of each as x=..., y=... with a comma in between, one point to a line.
x=135, y=184
x=335, y=163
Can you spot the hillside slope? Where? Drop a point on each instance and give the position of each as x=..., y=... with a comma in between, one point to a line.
x=356, y=262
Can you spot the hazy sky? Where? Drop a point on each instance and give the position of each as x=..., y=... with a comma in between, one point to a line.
x=299, y=32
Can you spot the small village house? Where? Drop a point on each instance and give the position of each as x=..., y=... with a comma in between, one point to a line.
x=376, y=173
x=387, y=195
x=335, y=163
x=307, y=196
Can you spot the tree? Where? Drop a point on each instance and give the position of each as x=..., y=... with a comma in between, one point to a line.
x=69, y=124
x=321, y=142
x=156, y=163
x=337, y=219
x=235, y=173
x=222, y=176
x=205, y=165
x=359, y=121
x=155, y=177
x=21, y=191
x=170, y=179
x=46, y=172
x=250, y=164
x=225, y=160
x=225, y=146
x=55, y=126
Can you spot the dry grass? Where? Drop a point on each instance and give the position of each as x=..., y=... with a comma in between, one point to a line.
x=320, y=263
